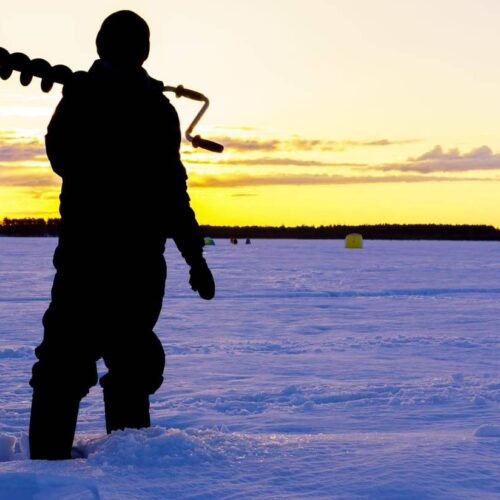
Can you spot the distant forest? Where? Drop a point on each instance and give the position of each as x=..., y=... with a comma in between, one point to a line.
x=50, y=227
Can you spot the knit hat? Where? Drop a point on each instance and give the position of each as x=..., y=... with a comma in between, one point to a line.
x=124, y=39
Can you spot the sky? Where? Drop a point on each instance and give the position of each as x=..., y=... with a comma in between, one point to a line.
x=331, y=111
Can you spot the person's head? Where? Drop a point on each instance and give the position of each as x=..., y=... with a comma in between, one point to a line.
x=123, y=39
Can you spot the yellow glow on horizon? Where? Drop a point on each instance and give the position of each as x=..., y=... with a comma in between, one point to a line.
x=433, y=202
x=318, y=205
x=347, y=199
x=20, y=202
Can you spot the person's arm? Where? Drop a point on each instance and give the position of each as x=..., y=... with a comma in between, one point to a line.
x=186, y=230
x=58, y=140
x=64, y=126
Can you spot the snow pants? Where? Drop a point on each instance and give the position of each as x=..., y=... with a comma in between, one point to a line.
x=103, y=311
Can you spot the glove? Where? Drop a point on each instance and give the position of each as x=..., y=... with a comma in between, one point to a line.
x=201, y=280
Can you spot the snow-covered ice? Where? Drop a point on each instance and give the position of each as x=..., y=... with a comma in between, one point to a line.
x=317, y=372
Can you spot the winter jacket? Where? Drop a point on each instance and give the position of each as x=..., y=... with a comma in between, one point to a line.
x=114, y=139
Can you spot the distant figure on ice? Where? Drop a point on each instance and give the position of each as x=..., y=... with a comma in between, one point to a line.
x=114, y=139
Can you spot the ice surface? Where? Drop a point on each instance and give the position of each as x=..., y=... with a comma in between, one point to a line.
x=317, y=372
x=488, y=431
x=7, y=445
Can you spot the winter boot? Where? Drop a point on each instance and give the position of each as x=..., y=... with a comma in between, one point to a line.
x=52, y=425
x=126, y=411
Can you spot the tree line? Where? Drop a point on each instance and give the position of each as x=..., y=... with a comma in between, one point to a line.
x=29, y=227
x=50, y=227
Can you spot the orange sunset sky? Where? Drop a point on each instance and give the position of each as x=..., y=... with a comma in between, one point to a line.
x=331, y=111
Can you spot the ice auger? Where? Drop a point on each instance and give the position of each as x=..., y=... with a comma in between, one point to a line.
x=48, y=74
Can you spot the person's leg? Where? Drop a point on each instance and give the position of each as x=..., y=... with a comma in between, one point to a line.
x=131, y=351
x=62, y=376
x=135, y=371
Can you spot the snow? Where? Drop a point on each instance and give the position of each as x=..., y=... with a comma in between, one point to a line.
x=317, y=372
x=488, y=431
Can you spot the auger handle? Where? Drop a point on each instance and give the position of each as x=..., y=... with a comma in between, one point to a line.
x=196, y=141
x=215, y=147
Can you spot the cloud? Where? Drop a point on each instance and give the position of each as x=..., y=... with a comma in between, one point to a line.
x=231, y=181
x=14, y=148
x=329, y=145
x=248, y=144
x=22, y=152
x=237, y=128
x=438, y=160
x=435, y=160
x=41, y=193
x=15, y=176
x=269, y=160
x=297, y=143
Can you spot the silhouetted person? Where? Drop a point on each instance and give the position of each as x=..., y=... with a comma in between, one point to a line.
x=114, y=139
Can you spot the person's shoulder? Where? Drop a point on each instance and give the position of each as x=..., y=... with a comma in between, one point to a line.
x=77, y=86
x=156, y=88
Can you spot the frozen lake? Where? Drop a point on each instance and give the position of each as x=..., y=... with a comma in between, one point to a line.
x=317, y=372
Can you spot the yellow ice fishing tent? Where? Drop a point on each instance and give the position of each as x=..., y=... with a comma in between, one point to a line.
x=209, y=242
x=354, y=240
